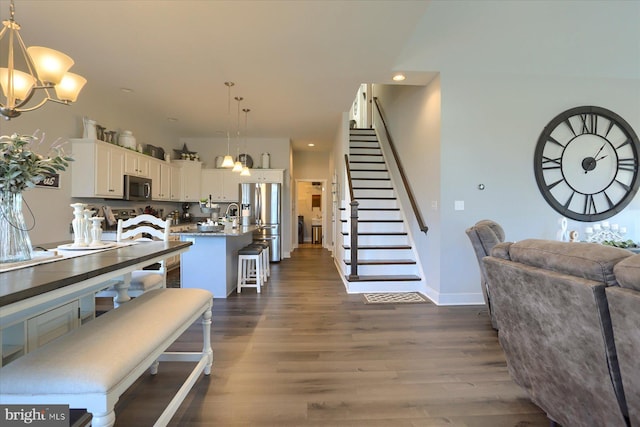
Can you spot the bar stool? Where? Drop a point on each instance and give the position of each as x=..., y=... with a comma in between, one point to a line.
x=250, y=271
x=266, y=257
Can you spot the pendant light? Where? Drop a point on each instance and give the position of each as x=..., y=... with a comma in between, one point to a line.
x=245, y=169
x=43, y=68
x=227, y=162
x=237, y=166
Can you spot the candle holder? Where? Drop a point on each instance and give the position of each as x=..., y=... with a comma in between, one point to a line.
x=96, y=231
x=605, y=232
x=78, y=225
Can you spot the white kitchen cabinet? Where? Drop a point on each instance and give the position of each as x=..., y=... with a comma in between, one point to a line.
x=264, y=175
x=136, y=164
x=160, y=174
x=221, y=184
x=190, y=180
x=175, y=183
x=97, y=170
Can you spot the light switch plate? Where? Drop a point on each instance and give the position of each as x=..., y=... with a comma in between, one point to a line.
x=458, y=205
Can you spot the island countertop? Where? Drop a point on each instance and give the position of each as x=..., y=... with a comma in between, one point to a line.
x=227, y=232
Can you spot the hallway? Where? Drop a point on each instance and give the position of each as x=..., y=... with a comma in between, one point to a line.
x=304, y=353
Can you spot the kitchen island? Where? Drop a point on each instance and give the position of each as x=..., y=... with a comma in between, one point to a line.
x=212, y=261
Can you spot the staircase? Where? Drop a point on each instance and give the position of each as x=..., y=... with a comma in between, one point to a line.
x=386, y=258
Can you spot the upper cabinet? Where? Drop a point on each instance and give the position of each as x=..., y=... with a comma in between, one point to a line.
x=190, y=176
x=136, y=164
x=264, y=175
x=97, y=170
x=160, y=174
x=220, y=184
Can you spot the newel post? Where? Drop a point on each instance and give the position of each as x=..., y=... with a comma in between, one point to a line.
x=354, y=239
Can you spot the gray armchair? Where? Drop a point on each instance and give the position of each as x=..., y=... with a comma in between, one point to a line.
x=484, y=235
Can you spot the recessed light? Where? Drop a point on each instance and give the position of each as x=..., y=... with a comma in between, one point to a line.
x=311, y=145
x=399, y=77
x=126, y=90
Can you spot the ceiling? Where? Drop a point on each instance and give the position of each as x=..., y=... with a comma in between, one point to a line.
x=297, y=64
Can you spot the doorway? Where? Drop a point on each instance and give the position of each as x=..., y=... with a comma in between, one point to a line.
x=310, y=211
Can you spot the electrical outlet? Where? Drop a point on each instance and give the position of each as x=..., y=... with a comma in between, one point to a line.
x=458, y=205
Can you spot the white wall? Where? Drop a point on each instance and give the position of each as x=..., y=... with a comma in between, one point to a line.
x=413, y=116
x=502, y=79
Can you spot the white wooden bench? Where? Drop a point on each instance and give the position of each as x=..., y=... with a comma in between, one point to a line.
x=93, y=365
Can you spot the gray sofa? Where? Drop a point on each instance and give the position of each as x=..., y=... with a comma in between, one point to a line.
x=569, y=317
x=624, y=307
x=484, y=235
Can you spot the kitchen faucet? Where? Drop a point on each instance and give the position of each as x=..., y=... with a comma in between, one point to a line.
x=229, y=208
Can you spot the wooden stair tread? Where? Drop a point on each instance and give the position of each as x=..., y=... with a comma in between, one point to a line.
x=368, y=170
x=376, y=220
x=381, y=261
x=364, y=148
x=366, y=162
x=375, y=198
x=370, y=179
x=383, y=233
x=385, y=278
x=380, y=220
x=368, y=154
x=373, y=188
x=373, y=209
x=376, y=247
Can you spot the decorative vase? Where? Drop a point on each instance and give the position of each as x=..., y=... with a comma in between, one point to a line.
x=78, y=225
x=127, y=139
x=15, y=244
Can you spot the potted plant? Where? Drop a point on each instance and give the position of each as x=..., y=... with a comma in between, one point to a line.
x=21, y=167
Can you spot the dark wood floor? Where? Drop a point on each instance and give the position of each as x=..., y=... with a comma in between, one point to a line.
x=304, y=353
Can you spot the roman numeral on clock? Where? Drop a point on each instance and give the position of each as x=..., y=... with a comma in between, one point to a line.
x=627, y=164
x=589, y=123
x=589, y=205
x=548, y=163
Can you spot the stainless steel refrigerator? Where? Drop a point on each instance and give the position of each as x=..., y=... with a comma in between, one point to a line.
x=262, y=200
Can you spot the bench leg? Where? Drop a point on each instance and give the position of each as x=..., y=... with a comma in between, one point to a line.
x=122, y=291
x=103, y=420
x=206, y=340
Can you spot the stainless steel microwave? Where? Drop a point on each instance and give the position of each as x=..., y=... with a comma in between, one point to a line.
x=137, y=188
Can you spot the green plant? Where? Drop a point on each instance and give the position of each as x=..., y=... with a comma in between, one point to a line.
x=21, y=166
x=620, y=244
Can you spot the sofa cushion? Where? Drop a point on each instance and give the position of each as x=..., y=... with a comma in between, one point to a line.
x=501, y=250
x=628, y=272
x=590, y=261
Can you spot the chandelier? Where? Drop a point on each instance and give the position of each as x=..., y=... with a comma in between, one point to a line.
x=237, y=166
x=44, y=69
x=245, y=170
x=227, y=162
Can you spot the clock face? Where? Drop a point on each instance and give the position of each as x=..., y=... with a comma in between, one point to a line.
x=586, y=163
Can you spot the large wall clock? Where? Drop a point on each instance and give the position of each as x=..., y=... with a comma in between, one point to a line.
x=586, y=163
